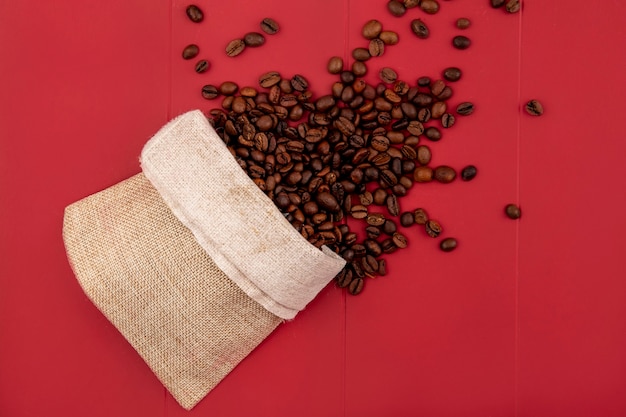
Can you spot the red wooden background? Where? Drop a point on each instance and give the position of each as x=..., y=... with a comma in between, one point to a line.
x=526, y=318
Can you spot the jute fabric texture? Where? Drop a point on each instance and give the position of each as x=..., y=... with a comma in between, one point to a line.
x=190, y=261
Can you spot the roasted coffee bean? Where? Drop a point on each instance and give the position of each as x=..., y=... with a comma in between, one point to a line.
x=513, y=211
x=433, y=228
x=399, y=240
x=463, y=23
x=235, y=47
x=253, y=39
x=359, y=68
x=347, y=77
x=366, y=198
x=372, y=29
x=438, y=109
x=461, y=42
x=370, y=264
x=335, y=65
x=420, y=216
x=447, y=120
x=361, y=54
x=194, y=13
x=344, y=277
x=359, y=212
x=388, y=37
x=269, y=26
x=392, y=205
x=375, y=219
x=380, y=196
x=423, y=155
x=497, y=3
x=420, y=29
x=376, y=47
x=388, y=75
x=372, y=232
x=202, y=66
x=358, y=271
x=432, y=133
x=465, y=108
x=452, y=74
x=468, y=173
x=372, y=247
x=359, y=250
x=429, y=6
x=190, y=51
x=423, y=81
x=382, y=267
x=534, y=108
x=513, y=6
x=409, y=4
x=356, y=286
x=388, y=246
x=389, y=227
x=299, y=83
x=396, y=8
x=407, y=219
x=327, y=201
x=448, y=244
x=444, y=174
x=209, y=92
x=423, y=174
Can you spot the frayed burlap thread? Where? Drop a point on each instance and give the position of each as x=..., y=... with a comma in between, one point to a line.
x=147, y=274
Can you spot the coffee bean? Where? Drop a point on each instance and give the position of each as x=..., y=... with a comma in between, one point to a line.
x=358, y=212
x=447, y=120
x=497, y=3
x=253, y=39
x=448, y=244
x=335, y=65
x=209, y=92
x=388, y=37
x=269, y=26
x=399, y=240
x=389, y=227
x=534, y=108
x=433, y=228
x=465, y=109
x=396, y=8
x=468, y=173
x=269, y=79
x=444, y=174
x=461, y=42
x=327, y=201
x=372, y=29
x=423, y=155
x=429, y=6
x=392, y=205
x=438, y=109
x=361, y=54
x=463, y=23
x=420, y=29
x=372, y=247
x=299, y=83
x=388, y=246
x=202, y=66
x=382, y=267
x=513, y=211
x=344, y=277
x=513, y=6
x=420, y=216
x=235, y=47
x=194, y=13
x=228, y=88
x=356, y=286
x=359, y=69
x=375, y=219
x=376, y=47
x=407, y=219
x=423, y=174
x=190, y=51
x=347, y=77
x=452, y=74
x=379, y=196
x=366, y=198
x=423, y=81
x=432, y=133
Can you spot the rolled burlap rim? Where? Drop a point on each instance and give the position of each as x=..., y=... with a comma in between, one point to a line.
x=194, y=278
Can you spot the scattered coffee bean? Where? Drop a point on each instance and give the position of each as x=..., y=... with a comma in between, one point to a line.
x=468, y=173
x=361, y=54
x=444, y=174
x=235, y=47
x=388, y=75
x=513, y=6
x=356, y=286
x=269, y=26
x=372, y=29
x=461, y=42
x=399, y=240
x=497, y=3
x=335, y=65
x=396, y=8
x=194, y=13
x=429, y=6
x=433, y=228
x=269, y=79
x=210, y=92
x=253, y=39
x=465, y=109
x=463, y=23
x=513, y=211
x=420, y=216
x=190, y=51
x=389, y=37
x=452, y=74
x=202, y=66
x=534, y=108
x=448, y=244
x=447, y=120
x=376, y=47
x=407, y=219
x=420, y=29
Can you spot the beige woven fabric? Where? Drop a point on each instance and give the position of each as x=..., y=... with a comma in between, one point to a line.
x=232, y=219
x=147, y=274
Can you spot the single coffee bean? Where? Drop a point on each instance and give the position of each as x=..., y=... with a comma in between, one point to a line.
x=396, y=8
x=423, y=81
x=235, y=47
x=335, y=65
x=210, y=92
x=388, y=37
x=438, y=109
x=497, y=3
x=366, y=198
x=202, y=66
x=513, y=211
x=399, y=240
x=468, y=173
x=447, y=120
x=513, y=6
x=409, y=4
x=388, y=246
x=433, y=228
x=461, y=42
x=299, y=83
x=347, y=77
x=444, y=174
x=372, y=232
x=382, y=267
x=253, y=39
x=376, y=47
x=358, y=212
x=407, y=219
x=534, y=108
x=356, y=286
x=465, y=109
x=452, y=74
x=269, y=26
x=423, y=174
x=448, y=244
x=344, y=277
x=372, y=29
x=420, y=29
x=380, y=196
x=463, y=23
x=194, y=13
x=423, y=155
x=359, y=68
x=370, y=263
x=269, y=79
x=389, y=227
x=375, y=219
x=432, y=133
x=228, y=88
x=371, y=245
x=392, y=205
x=359, y=250
x=429, y=6
x=190, y=51
x=420, y=216
x=361, y=54
x=327, y=201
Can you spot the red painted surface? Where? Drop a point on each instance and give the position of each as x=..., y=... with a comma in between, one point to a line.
x=525, y=319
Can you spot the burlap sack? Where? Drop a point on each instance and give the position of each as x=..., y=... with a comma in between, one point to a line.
x=190, y=261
